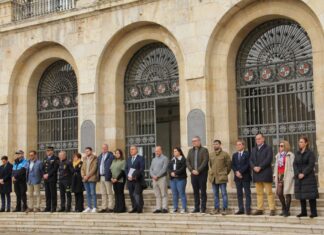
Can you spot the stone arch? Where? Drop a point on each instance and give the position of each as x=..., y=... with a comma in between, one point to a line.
x=22, y=99
x=222, y=50
x=111, y=71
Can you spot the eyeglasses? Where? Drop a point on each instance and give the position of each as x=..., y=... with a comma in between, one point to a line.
x=281, y=146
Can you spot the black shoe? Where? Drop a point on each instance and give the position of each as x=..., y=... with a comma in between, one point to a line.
x=2, y=210
x=165, y=211
x=102, y=211
x=239, y=213
x=312, y=216
x=195, y=211
x=62, y=210
x=17, y=210
x=203, y=211
x=301, y=215
x=8, y=210
x=272, y=213
x=68, y=210
x=139, y=211
x=248, y=212
x=157, y=211
x=53, y=210
x=133, y=211
x=109, y=210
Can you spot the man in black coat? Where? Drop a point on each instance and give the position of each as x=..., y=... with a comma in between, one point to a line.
x=134, y=170
x=261, y=160
x=197, y=163
x=65, y=181
x=5, y=184
x=242, y=177
x=50, y=168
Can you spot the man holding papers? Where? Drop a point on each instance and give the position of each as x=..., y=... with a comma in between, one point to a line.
x=135, y=179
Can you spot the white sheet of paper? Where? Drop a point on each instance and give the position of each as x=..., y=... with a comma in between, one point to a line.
x=131, y=172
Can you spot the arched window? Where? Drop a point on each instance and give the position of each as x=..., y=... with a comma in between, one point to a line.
x=275, y=84
x=57, y=111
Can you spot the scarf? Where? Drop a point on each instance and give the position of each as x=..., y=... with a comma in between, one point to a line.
x=281, y=159
x=75, y=163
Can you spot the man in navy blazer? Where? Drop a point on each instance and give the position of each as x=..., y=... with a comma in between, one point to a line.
x=104, y=175
x=134, y=170
x=242, y=177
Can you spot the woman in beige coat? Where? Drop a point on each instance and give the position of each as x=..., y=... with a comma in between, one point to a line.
x=284, y=176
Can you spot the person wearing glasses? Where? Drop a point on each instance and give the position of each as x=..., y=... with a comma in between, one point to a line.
x=284, y=176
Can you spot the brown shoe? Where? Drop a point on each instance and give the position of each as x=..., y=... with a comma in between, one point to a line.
x=258, y=212
x=37, y=210
x=29, y=210
x=272, y=213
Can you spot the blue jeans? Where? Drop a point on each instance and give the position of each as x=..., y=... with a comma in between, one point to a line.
x=216, y=195
x=90, y=188
x=178, y=187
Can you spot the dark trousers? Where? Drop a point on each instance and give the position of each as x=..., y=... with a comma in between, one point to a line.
x=136, y=194
x=79, y=202
x=285, y=200
x=65, y=195
x=246, y=186
x=20, y=188
x=51, y=196
x=312, y=205
x=199, y=184
x=5, y=196
x=119, y=197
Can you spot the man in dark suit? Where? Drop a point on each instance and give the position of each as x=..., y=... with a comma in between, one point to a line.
x=197, y=163
x=260, y=162
x=104, y=175
x=242, y=177
x=134, y=170
x=50, y=168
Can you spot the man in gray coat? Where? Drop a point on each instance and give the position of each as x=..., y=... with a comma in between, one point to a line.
x=158, y=172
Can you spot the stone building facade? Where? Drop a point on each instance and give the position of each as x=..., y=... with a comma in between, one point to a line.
x=147, y=72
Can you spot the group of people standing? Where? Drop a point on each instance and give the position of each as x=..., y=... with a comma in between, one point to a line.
x=293, y=174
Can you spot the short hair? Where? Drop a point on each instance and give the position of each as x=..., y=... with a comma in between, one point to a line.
x=196, y=137
x=33, y=151
x=89, y=148
x=78, y=155
x=50, y=148
x=217, y=141
x=240, y=141
x=4, y=158
x=261, y=134
x=159, y=146
x=62, y=151
x=133, y=146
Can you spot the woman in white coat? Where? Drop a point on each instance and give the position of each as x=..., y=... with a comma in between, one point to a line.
x=284, y=176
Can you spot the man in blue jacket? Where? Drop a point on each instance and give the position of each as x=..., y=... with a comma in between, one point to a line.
x=134, y=170
x=242, y=177
x=34, y=173
x=104, y=175
x=19, y=180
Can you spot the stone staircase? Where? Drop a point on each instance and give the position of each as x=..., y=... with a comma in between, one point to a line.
x=148, y=223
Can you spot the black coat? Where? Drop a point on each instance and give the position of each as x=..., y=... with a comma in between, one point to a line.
x=77, y=184
x=242, y=165
x=5, y=174
x=180, y=170
x=65, y=172
x=304, y=163
x=262, y=158
x=50, y=167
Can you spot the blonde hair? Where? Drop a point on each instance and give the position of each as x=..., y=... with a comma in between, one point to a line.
x=286, y=145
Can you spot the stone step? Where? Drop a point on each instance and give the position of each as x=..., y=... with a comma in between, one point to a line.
x=72, y=223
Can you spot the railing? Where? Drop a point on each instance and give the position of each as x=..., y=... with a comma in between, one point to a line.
x=24, y=9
